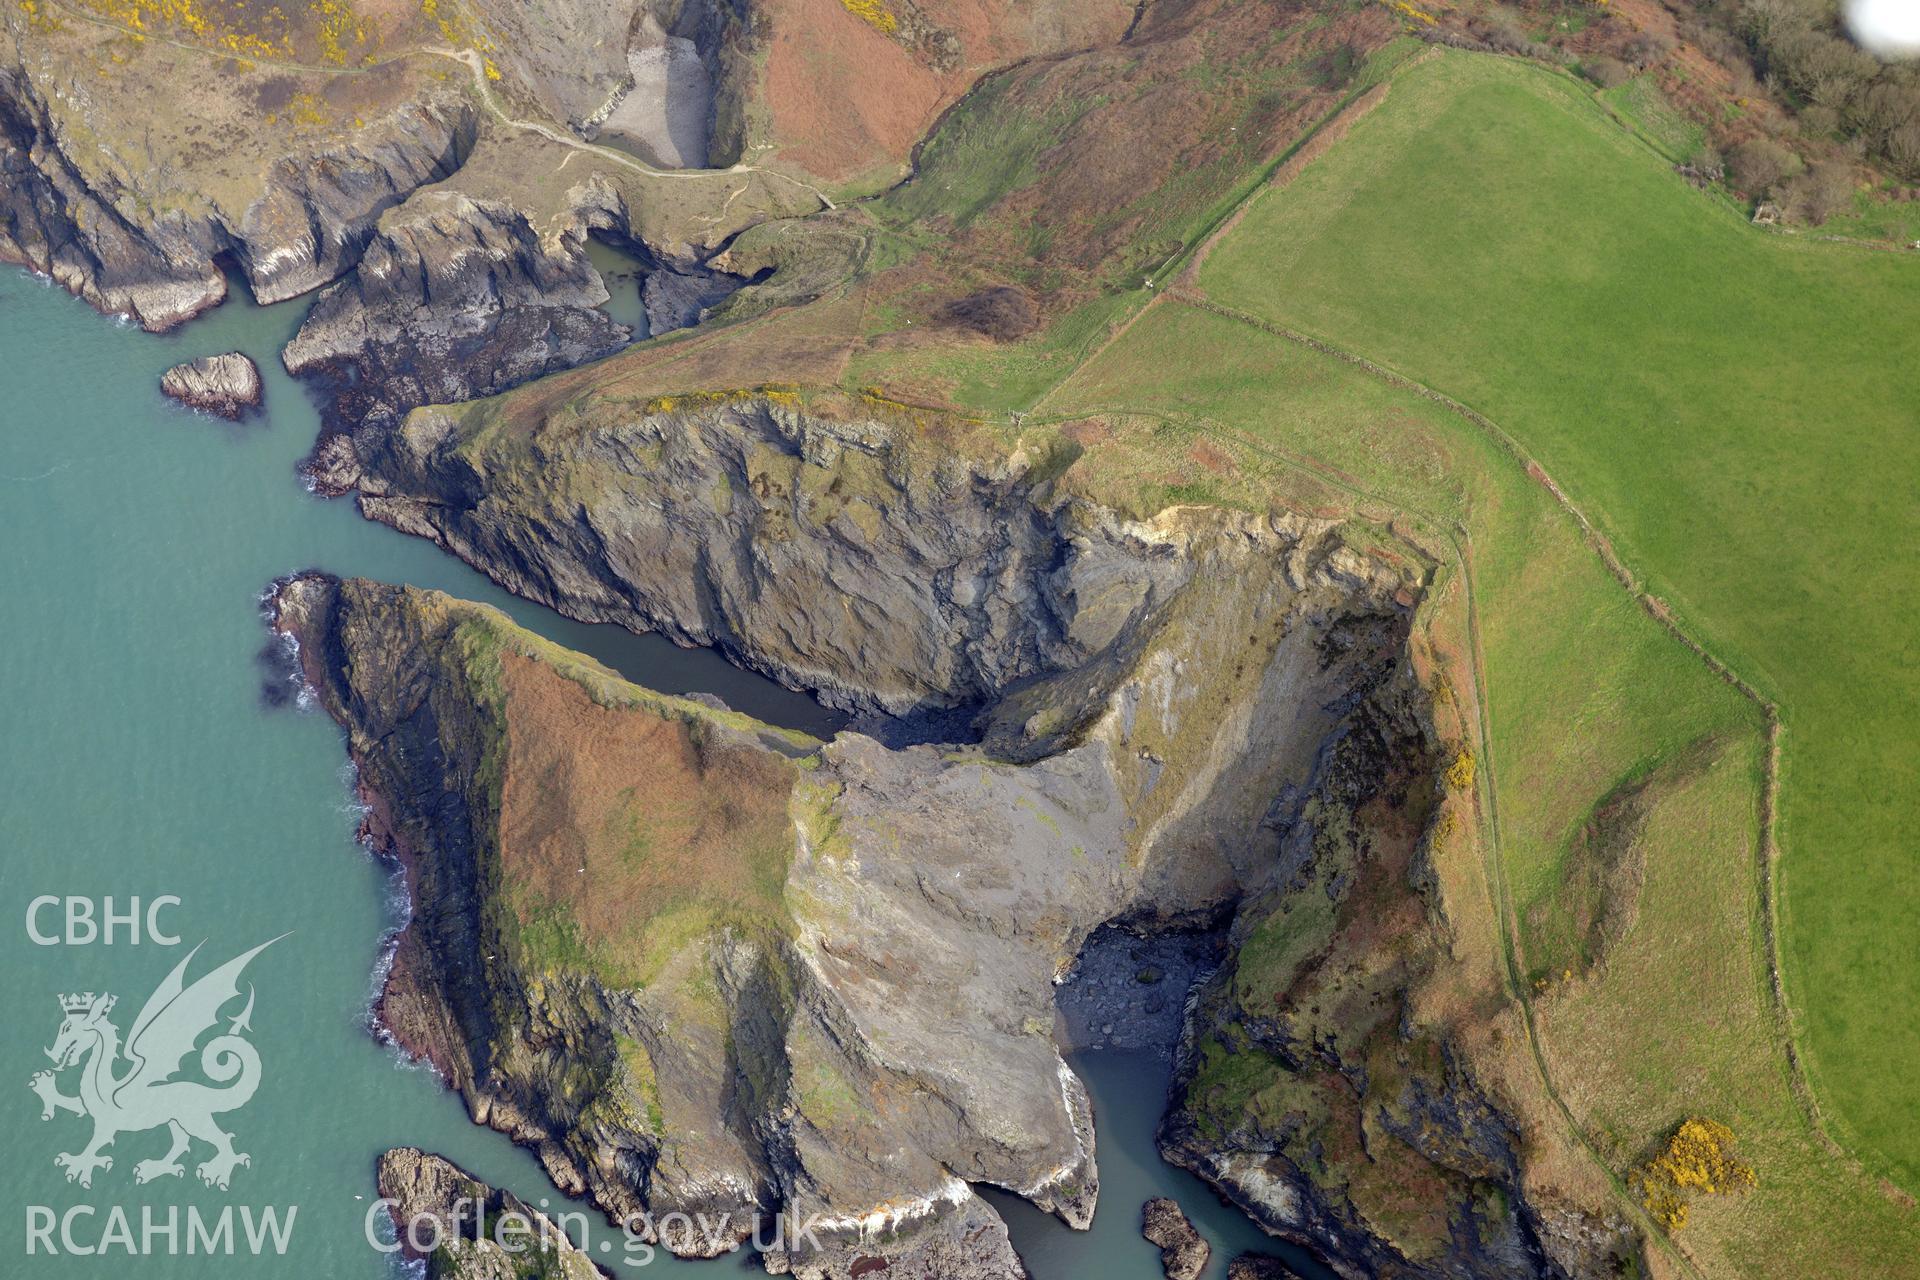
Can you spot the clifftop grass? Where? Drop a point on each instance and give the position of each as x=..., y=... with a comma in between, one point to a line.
x=1728, y=405
x=1585, y=692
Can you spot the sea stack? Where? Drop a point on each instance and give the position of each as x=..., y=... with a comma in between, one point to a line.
x=1183, y=1250
x=228, y=385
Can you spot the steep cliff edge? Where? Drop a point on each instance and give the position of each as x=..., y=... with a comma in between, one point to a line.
x=132, y=174
x=701, y=965
x=454, y=298
x=609, y=961
x=726, y=520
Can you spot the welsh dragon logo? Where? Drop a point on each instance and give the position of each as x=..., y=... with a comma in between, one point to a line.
x=143, y=1094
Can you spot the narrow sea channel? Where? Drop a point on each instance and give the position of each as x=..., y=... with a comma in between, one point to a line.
x=139, y=758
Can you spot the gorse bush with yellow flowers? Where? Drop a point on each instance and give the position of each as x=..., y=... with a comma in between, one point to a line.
x=338, y=33
x=1697, y=1158
x=874, y=13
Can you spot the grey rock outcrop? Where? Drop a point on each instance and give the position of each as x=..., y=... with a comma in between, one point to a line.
x=227, y=385
x=680, y=299
x=731, y=523
x=893, y=1046
x=462, y=1229
x=100, y=234
x=1259, y=1266
x=454, y=298
x=1192, y=717
x=1183, y=1250
x=457, y=298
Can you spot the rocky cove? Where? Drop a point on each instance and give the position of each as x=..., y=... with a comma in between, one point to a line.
x=116, y=768
x=91, y=426
x=1148, y=709
x=1069, y=721
x=698, y=962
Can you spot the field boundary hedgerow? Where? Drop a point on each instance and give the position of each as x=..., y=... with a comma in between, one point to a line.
x=1460, y=540
x=1183, y=288
x=1657, y=609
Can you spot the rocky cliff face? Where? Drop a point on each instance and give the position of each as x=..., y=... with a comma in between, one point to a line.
x=728, y=520
x=1309, y=1087
x=454, y=298
x=111, y=227
x=895, y=985
x=1189, y=718
x=138, y=174
x=675, y=1047
x=457, y=298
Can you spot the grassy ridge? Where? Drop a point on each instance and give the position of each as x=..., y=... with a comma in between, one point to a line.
x=1735, y=409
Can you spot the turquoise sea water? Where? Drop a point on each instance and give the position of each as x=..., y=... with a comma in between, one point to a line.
x=138, y=758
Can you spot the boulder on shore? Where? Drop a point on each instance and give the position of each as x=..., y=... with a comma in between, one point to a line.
x=1183, y=1252
x=227, y=385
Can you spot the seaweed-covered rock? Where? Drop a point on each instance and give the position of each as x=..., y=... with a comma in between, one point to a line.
x=1259, y=1266
x=1183, y=1251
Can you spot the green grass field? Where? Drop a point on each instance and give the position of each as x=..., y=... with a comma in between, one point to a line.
x=1718, y=400
x=1736, y=410
x=1583, y=689
x=1594, y=709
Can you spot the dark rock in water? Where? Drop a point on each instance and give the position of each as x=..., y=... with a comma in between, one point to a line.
x=280, y=676
x=1183, y=1253
x=470, y=1225
x=1259, y=1266
x=679, y=299
x=228, y=385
